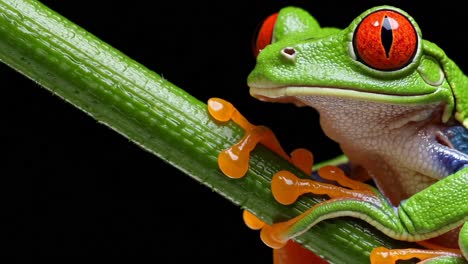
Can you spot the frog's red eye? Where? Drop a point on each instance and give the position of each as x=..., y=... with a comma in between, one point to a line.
x=264, y=34
x=385, y=40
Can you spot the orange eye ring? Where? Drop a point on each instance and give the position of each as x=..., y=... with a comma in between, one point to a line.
x=385, y=40
x=264, y=36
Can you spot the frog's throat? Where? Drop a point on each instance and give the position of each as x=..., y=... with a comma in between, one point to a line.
x=289, y=94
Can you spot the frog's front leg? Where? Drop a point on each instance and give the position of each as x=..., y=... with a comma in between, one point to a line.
x=438, y=209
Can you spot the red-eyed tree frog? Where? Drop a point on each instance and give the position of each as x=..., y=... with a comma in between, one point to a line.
x=397, y=106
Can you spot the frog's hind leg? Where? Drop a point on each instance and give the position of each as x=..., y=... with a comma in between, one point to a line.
x=351, y=198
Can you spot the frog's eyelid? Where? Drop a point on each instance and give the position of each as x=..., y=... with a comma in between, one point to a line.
x=351, y=50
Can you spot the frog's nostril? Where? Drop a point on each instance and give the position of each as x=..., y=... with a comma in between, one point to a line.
x=289, y=53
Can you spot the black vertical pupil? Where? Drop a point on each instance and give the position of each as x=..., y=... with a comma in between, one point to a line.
x=386, y=36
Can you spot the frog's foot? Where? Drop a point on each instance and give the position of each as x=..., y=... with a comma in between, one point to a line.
x=352, y=198
x=286, y=187
x=234, y=161
x=382, y=255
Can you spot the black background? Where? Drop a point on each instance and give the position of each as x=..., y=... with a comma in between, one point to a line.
x=74, y=187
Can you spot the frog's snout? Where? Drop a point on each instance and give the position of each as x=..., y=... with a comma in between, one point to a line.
x=289, y=53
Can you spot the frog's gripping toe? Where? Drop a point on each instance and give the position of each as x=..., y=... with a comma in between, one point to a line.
x=274, y=235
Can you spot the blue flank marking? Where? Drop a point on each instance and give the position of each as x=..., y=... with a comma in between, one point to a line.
x=452, y=160
x=458, y=136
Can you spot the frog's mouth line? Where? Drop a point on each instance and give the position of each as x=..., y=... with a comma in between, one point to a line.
x=292, y=94
x=288, y=94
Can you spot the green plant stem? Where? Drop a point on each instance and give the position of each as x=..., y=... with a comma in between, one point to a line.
x=161, y=118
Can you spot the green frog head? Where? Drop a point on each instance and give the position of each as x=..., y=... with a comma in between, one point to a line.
x=379, y=57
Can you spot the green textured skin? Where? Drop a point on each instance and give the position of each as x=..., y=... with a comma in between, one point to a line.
x=457, y=79
x=442, y=204
x=294, y=22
